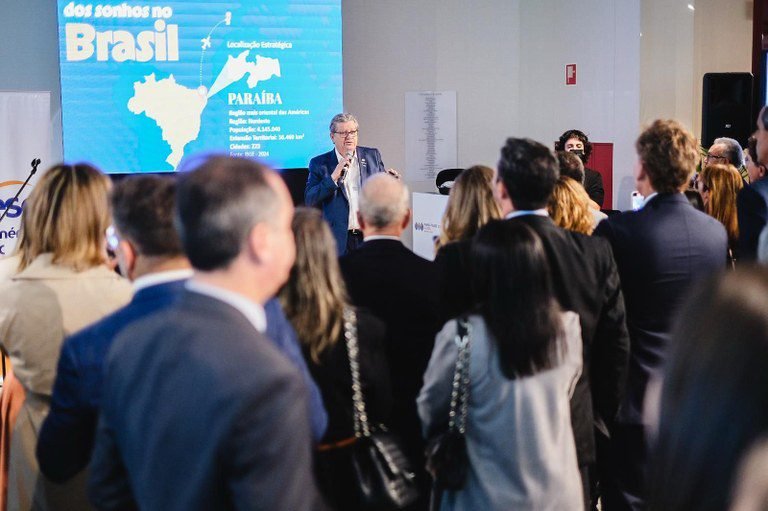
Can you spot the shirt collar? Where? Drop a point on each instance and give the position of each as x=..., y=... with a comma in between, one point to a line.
x=524, y=212
x=160, y=277
x=648, y=199
x=381, y=237
x=250, y=309
x=340, y=156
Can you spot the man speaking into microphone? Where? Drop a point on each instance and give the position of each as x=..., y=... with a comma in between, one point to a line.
x=336, y=177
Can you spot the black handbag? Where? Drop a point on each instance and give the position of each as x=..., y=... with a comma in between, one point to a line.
x=384, y=476
x=446, y=453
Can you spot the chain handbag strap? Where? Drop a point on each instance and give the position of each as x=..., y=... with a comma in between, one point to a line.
x=457, y=417
x=362, y=428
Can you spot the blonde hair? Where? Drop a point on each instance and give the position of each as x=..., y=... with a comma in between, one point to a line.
x=723, y=182
x=314, y=297
x=569, y=206
x=471, y=205
x=67, y=215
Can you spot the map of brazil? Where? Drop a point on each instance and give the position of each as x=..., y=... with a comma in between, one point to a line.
x=145, y=86
x=178, y=110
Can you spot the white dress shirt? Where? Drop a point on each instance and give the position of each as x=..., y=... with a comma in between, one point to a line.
x=253, y=311
x=352, y=188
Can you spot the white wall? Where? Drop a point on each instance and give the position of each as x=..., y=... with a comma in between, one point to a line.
x=505, y=59
x=29, y=58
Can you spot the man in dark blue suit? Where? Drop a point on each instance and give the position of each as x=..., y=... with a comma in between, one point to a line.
x=200, y=410
x=336, y=177
x=660, y=250
x=149, y=253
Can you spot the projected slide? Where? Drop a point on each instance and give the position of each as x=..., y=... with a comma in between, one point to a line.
x=145, y=84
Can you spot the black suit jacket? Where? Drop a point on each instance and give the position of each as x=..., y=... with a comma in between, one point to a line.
x=201, y=411
x=400, y=288
x=593, y=183
x=586, y=281
x=752, y=212
x=660, y=250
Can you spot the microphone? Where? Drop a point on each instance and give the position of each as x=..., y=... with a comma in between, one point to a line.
x=34, y=165
x=344, y=169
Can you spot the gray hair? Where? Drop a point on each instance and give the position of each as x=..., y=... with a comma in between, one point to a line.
x=217, y=205
x=339, y=118
x=733, y=151
x=384, y=201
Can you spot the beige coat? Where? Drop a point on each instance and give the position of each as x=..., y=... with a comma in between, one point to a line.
x=39, y=307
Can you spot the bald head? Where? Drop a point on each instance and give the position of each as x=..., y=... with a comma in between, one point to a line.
x=384, y=206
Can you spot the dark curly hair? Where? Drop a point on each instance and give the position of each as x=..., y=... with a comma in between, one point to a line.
x=565, y=137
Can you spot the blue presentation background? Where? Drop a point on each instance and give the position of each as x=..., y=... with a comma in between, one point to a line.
x=98, y=127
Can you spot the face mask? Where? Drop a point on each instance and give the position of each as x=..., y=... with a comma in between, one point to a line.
x=579, y=153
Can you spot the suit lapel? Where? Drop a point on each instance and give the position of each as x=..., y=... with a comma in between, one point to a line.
x=332, y=162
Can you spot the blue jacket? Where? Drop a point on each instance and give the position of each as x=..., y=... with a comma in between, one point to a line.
x=322, y=192
x=201, y=412
x=66, y=438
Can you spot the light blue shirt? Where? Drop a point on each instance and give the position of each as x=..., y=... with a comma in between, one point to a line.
x=524, y=212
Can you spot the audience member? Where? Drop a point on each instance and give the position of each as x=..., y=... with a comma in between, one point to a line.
x=714, y=400
x=525, y=358
x=401, y=289
x=572, y=166
x=585, y=281
x=726, y=151
x=62, y=286
x=569, y=206
x=660, y=250
x=751, y=201
x=575, y=141
x=335, y=179
x=199, y=409
x=315, y=299
x=719, y=185
x=149, y=253
x=471, y=204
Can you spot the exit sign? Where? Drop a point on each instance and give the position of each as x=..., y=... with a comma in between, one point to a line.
x=570, y=74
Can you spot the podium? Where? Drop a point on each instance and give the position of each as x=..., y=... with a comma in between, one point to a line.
x=428, y=209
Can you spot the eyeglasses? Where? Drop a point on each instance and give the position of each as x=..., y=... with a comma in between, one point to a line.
x=710, y=157
x=345, y=134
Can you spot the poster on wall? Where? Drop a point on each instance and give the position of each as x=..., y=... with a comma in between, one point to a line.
x=430, y=134
x=146, y=83
x=25, y=135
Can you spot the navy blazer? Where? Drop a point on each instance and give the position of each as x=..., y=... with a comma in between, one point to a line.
x=660, y=250
x=201, y=411
x=66, y=438
x=322, y=192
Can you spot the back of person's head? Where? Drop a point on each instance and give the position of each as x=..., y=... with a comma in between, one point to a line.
x=579, y=135
x=569, y=206
x=142, y=209
x=723, y=183
x=714, y=401
x=384, y=201
x=528, y=171
x=219, y=200
x=512, y=283
x=732, y=151
x=571, y=166
x=67, y=215
x=471, y=204
x=314, y=296
x=669, y=154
